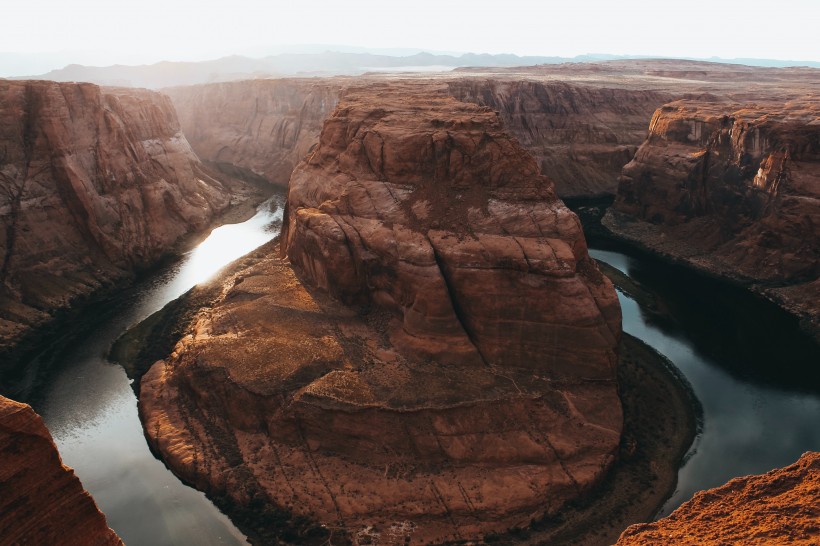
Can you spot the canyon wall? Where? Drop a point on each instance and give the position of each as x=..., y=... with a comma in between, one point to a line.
x=41, y=500
x=264, y=127
x=95, y=183
x=581, y=135
x=437, y=361
x=779, y=507
x=732, y=189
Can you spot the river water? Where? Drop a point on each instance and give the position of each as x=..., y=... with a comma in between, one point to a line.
x=91, y=410
x=760, y=408
x=754, y=373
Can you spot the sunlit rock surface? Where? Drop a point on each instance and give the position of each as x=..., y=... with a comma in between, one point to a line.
x=779, y=507
x=438, y=365
x=41, y=500
x=94, y=183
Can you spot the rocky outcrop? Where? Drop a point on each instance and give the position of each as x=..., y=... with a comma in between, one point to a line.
x=581, y=136
x=41, y=500
x=94, y=183
x=735, y=190
x=263, y=127
x=438, y=365
x=779, y=507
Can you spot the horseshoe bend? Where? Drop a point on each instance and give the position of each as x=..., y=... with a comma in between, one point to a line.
x=433, y=354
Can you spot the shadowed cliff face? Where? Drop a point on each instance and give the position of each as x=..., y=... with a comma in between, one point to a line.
x=779, y=507
x=438, y=364
x=94, y=183
x=734, y=189
x=264, y=127
x=581, y=136
x=42, y=501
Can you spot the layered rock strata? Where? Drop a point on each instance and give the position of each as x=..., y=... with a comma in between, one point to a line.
x=732, y=189
x=94, y=183
x=581, y=136
x=41, y=500
x=263, y=127
x=779, y=507
x=439, y=363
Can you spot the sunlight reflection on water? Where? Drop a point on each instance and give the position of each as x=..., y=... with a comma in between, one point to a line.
x=91, y=410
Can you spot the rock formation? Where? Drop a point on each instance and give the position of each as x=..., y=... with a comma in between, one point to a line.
x=264, y=127
x=95, y=184
x=439, y=363
x=41, y=500
x=581, y=136
x=735, y=190
x=779, y=507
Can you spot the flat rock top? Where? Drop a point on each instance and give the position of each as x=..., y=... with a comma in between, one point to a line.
x=779, y=507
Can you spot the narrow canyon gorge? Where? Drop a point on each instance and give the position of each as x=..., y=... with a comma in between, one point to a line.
x=431, y=350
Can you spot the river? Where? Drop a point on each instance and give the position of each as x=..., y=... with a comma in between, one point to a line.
x=91, y=410
x=760, y=410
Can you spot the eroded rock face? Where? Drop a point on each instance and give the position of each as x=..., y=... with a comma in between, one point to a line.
x=41, y=500
x=439, y=364
x=779, y=507
x=262, y=126
x=733, y=189
x=581, y=136
x=94, y=183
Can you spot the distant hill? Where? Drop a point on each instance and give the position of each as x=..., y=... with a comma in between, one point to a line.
x=167, y=74
x=329, y=63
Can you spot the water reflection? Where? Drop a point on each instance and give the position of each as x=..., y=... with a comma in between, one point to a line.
x=91, y=410
x=760, y=411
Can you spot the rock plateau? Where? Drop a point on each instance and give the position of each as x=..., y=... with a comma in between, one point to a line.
x=436, y=362
x=96, y=183
x=41, y=500
x=779, y=507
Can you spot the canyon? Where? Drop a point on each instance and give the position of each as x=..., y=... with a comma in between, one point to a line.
x=733, y=189
x=96, y=184
x=428, y=353
x=41, y=500
x=418, y=233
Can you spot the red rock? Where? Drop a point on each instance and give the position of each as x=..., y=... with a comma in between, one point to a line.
x=262, y=126
x=94, y=183
x=440, y=365
x=581, y=135
x=732, y=189
x=41, y=500
x=779, y=507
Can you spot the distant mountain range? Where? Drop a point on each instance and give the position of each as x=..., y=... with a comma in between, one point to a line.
x=329, y=63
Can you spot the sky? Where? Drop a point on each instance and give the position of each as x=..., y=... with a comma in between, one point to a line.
x=104, y=32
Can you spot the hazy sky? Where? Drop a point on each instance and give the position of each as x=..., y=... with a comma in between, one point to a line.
x=109, y=31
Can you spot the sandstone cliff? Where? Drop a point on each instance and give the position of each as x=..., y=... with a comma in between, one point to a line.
x=94, y=183
x=779, y=507
x=41, y=500
x=264, y=127
x=733, y=189
x=581, y=135
x=439, y=364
